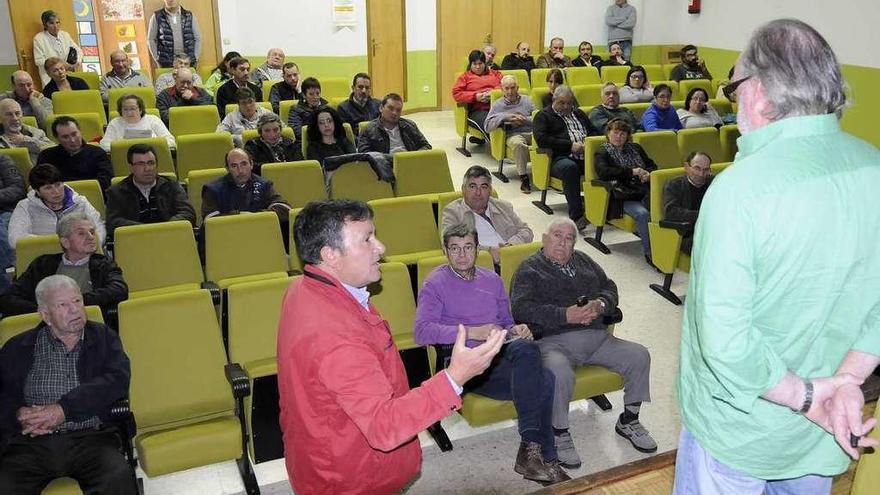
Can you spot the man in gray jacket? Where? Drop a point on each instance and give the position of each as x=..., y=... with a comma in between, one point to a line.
x=32, y=102
x=621, y=20
x=15, y=134
x=12, y=191
x=514, y=114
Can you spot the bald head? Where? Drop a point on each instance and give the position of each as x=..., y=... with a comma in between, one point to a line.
x=183, y=79
x=10, y=116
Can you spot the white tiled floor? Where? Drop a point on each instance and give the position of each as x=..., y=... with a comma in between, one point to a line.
x=648, y=319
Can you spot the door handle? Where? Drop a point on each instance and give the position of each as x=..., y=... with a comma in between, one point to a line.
x=373, y=46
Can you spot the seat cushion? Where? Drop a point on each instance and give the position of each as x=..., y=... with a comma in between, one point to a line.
x=261, y=367
x=189, y=446
x=62, y=486
x=162, y=290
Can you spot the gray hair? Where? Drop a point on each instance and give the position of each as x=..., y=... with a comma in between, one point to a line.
x=267, y=118
x=561, y=91
x=181, y=56
x=51, y=284
x=508, y=78
x=797, y=68
x=558, y=221
x=65, y=226
x=459, y=230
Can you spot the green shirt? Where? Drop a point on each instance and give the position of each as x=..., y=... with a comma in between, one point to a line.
x=785, y=275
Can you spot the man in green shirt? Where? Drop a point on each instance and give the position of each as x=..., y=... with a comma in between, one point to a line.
x=782, y=321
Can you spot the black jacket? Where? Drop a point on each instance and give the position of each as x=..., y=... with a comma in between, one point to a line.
x=595, y=61
x=281, y=91
x=513, y=61
x=550, y=132
x=350, y=111
x=11, y=184
x=91, y=162
x=108, y=286
x=169, y=203
x=375, y=137
x=260, y=152
x=75, y=84
x=223, y=196
x=226, y=95
x=300, y=115
x=104, y=375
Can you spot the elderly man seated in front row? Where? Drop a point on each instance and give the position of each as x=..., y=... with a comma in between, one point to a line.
x=495, y=221
x=57, y=384
x=562, y=295
x=99, y=279
x=462, y=293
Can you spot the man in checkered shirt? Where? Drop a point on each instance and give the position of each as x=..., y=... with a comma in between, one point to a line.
x=57, y=384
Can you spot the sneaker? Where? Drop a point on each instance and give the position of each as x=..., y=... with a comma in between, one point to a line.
x=530, y=463
x=565, y=451
x=637, y=435
x=476, y=140
x=557, y=475
x=525, y=185
x=582, y=224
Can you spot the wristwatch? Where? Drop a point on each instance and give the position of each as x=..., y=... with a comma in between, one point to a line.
x=808, y=397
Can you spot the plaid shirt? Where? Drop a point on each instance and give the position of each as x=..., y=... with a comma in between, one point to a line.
x=53, y=374
x=576, y=131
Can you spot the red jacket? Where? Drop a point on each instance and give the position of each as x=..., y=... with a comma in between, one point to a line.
x=349, y=420
x=469, y=84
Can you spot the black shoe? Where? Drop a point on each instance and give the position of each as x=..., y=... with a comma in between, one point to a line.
x=476, y=140
x=525, y=185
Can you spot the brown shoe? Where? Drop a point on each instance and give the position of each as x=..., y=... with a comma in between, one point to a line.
x=525, y=185
x=557, y=474
x=530, y=463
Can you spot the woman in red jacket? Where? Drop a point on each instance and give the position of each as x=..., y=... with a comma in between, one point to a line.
x=474, y=88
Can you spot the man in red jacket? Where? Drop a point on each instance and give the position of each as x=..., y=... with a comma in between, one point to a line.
x=349, y=419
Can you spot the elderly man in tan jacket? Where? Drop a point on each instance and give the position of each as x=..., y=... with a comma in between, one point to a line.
x=496, y=223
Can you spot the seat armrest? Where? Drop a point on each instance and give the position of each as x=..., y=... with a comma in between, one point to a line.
x=683, y=228
x=122, y=417
x=607, y=185
x=615, y=317
x=214, y=289
x=238, y=379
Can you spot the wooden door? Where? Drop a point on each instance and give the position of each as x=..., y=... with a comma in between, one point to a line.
x=514, y=21
x=25, y=16
x=386, y=46
x=205, y=12
x=462, y=26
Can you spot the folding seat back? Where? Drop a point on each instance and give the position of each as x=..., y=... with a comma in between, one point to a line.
x=667, y=71
x=393, y=298
x=638, y=109
x=158, y=258
x=296, y=264
x=92, y=79
x=356, y=180
x=661, y=146
x=267, y=88
x=578, y=76
x=29, y=120
x=335, y=87
x=201, y=151
x=421, y=172
x=686, y=85
x=588, y=95
x=11, y=326
x=727, y=135
x=425, y=266
x=198, y=119
x=615, y=74
x=538, y=94
x=539, y=77
x=147, y=93
x=522, y=78
x=297, y=182
x=197, y=180
x=284, y=107
x=673, y=85
x=703, y=139
x=654, y=73
x=245, y=247
x=28, y=248
x=91, y=189
x=80, y=101
x=721, y=105
x=22, y=159
x=119, y=151
x=406, y=226
x=512, y=257
x=90, y=124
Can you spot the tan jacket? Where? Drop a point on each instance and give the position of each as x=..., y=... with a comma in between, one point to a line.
x=504, y=219
x=546, y=60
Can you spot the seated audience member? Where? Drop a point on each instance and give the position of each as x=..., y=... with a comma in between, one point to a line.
x=226, y=93
x=360, y=105
x=48, y=200
x=57, y=70
x=629, y=165
x=610, y=108
x=474, y=88
x=182, y=94
x=244, y=117
x=287, y=88
x=16, y=134
x=697, y=111
x=495, y=221
x=462, y=293
x=562, y=128
x=73, y=157
x=58, y=382
x=122, y=75
x=660, y=116
x=271, y=146
x=166, y=79
x=271, y=69
x=240, y=190
x=563, y=295
x=683, y=195
x=311, y=100
x=513, y=113
x=636, y=89
x=145, y=196
x=726, y=93
x=32, y=102
x=555, y=78
x=489, y=51
x=691, y=67
x=554, y=58
x=220, y=74
x=326, y=136
x=391, y=133
x=585, y=56
x=615, y=56
x=12, y=191
x=98, y=277
x=134, y=122
x=520, y=59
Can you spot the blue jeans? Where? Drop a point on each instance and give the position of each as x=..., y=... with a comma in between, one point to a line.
x=7, y=252
x=698, y=473
x=625, y=45
x=517, y=374
x=571, y=173
x=638, y=211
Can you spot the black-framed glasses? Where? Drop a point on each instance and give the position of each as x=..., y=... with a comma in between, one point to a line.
x=731, y=88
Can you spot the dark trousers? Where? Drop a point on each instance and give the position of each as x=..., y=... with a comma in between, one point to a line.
x=91, y=457
x=478, y=118
x=571, y=173
x=517, y=373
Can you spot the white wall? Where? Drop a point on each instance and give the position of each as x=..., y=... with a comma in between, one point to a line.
x=7, y=41
x=299, y=27
x=583, y=20
x=421, y=25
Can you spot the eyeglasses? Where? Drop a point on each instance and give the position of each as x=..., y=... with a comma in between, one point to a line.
x=636, y=76
x=730, y=89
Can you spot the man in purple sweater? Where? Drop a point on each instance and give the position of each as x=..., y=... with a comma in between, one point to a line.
x=462, y=293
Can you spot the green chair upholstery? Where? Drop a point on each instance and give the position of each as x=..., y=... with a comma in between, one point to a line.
x=393, y=298
x=654, y=73
x=284, y=107
x=425, y=266
x=721, y=105
x=511, y=257
x=661, y=146
x=91, y=124
x=703, y=139
x=184, y=404
x=267, y=88
x=673, y=85
x=615, y=74
x=424, y=172
x=597, y=196
x=356, y=180
x=28, y=248
x=296, y=264
x=91, y=190
x=522, y=78
x=92, y=79
x=539, y=78
x=22, y=159
x=462, y=127
x=667, y=70
x=11, y=326
x=29, y=120
x=686, y=85
x=201, y=151
x=588, y=95
x=136, y=251
x=537, y=96
x=243, y=248
x=198, y=119
x=638, y=109
x=577, y=76
x=81, y=101
x=147, y=93
x=297, y=182
x=335, y=87
x=406, y=226
x=119, y=158
x=867, y=477
x=196, y=180
x=541, y=178
x=727, y=135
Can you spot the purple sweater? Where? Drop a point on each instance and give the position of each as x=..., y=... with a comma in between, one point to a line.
x=447, y=300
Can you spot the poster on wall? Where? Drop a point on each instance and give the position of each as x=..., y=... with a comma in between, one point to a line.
x=88, y=40
x=343, y=13
x=122, y=10
x=126, y=31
